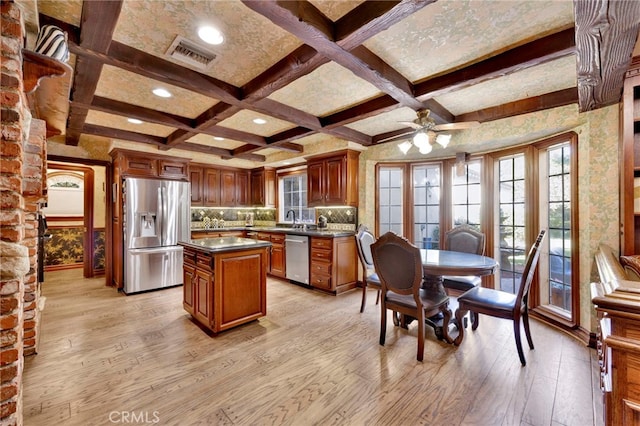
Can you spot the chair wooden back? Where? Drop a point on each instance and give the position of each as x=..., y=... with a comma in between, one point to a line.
x=398, y=264
x=465, y=238
x=529, y=270
x=364, y=239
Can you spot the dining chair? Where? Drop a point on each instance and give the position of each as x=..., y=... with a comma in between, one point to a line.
x=364, y=239
x=467, y=239
x=399, y=268
x=502, y=304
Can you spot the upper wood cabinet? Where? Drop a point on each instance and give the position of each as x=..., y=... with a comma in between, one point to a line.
x=263, y=187
x=234, y=188
x=137, y=164
x=211, y=188
x=332, y=179
x=630, y=161
x=196, y=174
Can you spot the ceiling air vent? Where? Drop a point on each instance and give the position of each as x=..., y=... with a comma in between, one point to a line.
x=191, y=53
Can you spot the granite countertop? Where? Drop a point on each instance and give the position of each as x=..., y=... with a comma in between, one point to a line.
x=224, y=244
x=285, y=230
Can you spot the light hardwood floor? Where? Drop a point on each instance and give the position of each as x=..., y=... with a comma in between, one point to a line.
x=314, y=359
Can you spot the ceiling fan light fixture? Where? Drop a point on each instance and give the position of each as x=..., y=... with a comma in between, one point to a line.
x=421, y=139
x=405, y=147
x=443, y=139
x=425, y=149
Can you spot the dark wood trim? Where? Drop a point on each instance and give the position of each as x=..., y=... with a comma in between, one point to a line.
x=523, y=106
x=51, y=268
x=531, y=54
x=51, y=219
x=606, y=33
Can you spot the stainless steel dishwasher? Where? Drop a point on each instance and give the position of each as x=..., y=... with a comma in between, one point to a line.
x=297, y=258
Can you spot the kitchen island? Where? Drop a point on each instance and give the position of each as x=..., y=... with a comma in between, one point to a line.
x=225, y=281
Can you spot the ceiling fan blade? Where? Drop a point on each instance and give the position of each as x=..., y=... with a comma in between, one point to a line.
x=411, y=124
x=457, y=126
x=396, y=136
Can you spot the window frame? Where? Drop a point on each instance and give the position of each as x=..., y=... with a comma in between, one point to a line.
x=280, y=201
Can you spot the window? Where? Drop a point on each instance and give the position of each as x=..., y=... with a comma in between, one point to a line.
x=557, y=180
x=511, y=207
x=466, y=194
x=390, y=206
x=293, y=196
x=426, y=206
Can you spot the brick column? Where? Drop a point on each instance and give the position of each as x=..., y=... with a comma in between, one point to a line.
x=15, y=255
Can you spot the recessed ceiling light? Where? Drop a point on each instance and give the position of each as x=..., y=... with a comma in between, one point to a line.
x=210, y=35
x=218, y=138
x=134, y=121
x=259, y=120
x=286, y=163
x=163, y=93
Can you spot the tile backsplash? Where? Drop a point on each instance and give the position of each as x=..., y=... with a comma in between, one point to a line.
x=338, y=218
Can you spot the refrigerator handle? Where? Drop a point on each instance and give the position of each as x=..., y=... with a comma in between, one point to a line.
x=161, y=213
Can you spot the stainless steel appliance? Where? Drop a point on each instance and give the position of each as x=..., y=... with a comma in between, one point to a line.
x=156, y=217
x=297, y=258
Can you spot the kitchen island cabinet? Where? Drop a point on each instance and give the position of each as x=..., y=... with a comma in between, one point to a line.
x=225, y=281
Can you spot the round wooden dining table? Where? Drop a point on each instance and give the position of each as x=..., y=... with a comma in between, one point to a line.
x=438, y=263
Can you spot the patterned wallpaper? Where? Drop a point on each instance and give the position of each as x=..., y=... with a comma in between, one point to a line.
x=66, y=247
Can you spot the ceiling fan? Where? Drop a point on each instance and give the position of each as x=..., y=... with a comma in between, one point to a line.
x=427, y=132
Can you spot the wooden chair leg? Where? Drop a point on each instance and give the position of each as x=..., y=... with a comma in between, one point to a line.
x=445, y=324
x=378, y=297
x=420, y=337
x=527, y=331
x=476, y=321
x=383, y=325
x=364, y=296
x=516, y=330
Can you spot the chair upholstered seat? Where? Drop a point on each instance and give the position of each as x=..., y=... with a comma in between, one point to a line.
x=429, y=301
x=479, y=297
x=461, y=283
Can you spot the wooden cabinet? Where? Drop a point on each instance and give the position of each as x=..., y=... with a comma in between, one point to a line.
x=215, y=187
x=630, y=161
x=333, y=264
x=278, y=256
x=225, y=289
x=234, y=188
x=196, y=177
x=332, y=179
x=136, y=164
x=618, y=345
x=263, y=187
x=215, y=233
x=211, y=188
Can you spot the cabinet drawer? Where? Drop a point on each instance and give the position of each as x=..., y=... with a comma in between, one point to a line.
x=325, y=243
x=264, y=236
x=324, y=255
x=204, y=261
x=189, y=256
x=277, y=238
x=320, y=268
x=321, y=281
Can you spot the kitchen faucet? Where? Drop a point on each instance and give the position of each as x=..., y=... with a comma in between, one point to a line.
x=294, y=216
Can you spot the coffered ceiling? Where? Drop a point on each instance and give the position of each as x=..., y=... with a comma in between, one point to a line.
x=315, y=70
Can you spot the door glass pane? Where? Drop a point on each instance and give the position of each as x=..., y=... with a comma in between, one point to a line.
x=293, y=196
x=426, y=200
x=511, y=239
x=559, y=218
x=390, y=203
x=466, y=194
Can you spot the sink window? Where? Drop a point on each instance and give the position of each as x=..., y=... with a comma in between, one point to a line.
x=292, y=191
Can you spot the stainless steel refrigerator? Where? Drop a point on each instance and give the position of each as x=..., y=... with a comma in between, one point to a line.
x=156, y=217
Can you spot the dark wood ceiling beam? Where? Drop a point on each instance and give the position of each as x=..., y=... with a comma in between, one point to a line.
x=99, y=19
x=109, y=132
x=361, y=111
x=148, y=115
x=307, y=23
x=357, y=26
x=524, y=106
x=534, y=53
x=606, y=33
x=223, y=153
